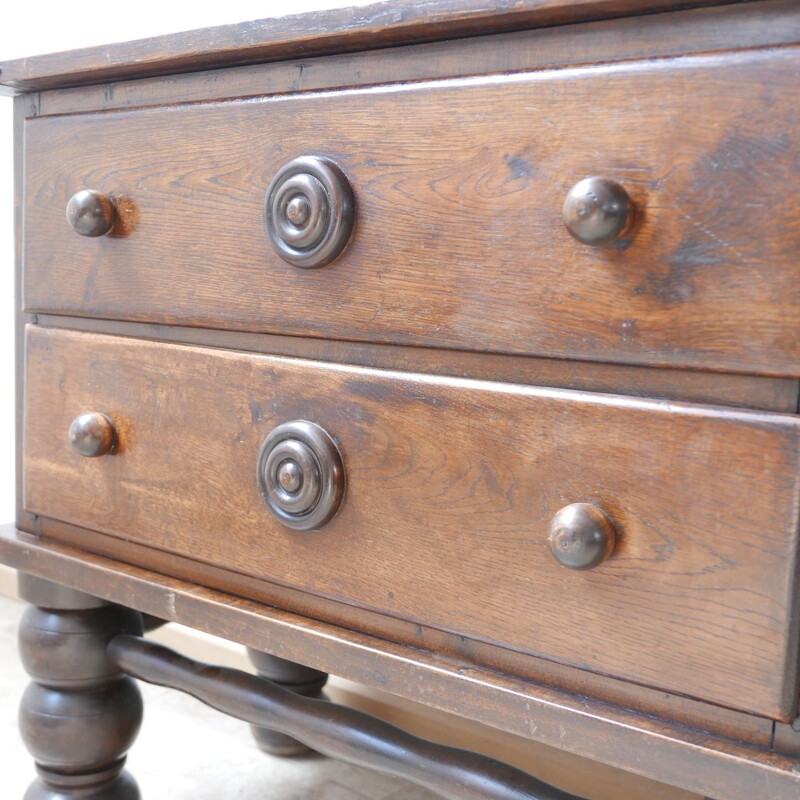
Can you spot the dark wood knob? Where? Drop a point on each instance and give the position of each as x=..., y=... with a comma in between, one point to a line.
x=581, y=536
x=598, y=211
x=91, y=213
x=92, y=434
x=301, y=475
x=309, y=212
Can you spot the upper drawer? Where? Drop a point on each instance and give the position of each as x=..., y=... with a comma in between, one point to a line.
x=450, y=488
x=459, y=239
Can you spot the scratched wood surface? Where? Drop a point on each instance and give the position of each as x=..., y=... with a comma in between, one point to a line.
x=459, y=240
x=377, y=25
x=451, y=484
x=695, y=386
x=678, y=709
x=676, y=33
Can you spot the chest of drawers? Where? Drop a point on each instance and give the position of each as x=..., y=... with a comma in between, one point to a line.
x=449, y=348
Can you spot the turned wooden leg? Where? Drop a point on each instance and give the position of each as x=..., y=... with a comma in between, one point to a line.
x=295, y=677
x=80, y=715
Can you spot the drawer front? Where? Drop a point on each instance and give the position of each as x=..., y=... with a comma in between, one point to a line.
x=450, y=488
x=459, y=239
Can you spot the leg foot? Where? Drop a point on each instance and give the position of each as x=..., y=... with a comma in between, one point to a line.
x=299, y=679
x=80, y=715
x=58, y=787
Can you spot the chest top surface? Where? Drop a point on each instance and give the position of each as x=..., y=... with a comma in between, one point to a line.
x=382, y=24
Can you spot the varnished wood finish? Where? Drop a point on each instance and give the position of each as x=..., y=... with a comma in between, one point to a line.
x=301, y=475
x=92, y=434
x=747, y=391
x=80, y=714
x=369, y=27
x=699, y=30
x=534, y=670
x=492, y=266
x=430, y=460
x=294, y=678
x=719, y=293
x=692, y=759
x=91, y=213
x=25, y=106
x=581, y=536
x=344, y=733
x=309, y=212
x=598, y=211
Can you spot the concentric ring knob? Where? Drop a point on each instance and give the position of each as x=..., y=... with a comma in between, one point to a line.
x=581, y=536
x=309, y=212
x=91, y=213
x=301, y=475
x=598, y=211
x=92, y=434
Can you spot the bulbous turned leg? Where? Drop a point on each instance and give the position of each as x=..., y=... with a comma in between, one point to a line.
x=295, y=677
x=80, y=715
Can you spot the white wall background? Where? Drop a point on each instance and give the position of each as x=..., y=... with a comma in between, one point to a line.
x=43, y=26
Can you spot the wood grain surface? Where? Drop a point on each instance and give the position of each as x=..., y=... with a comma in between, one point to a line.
x=336, y=30
x=677, y=709
x=711, y=388
x=451, y=484
x=709, y=764
x=459, y=240
x=677, y=33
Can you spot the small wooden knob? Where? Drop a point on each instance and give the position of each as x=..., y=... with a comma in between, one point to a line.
x=92, y=434
x=91, y=213
x=581, y=536
x=301, y=475
x=598, y=211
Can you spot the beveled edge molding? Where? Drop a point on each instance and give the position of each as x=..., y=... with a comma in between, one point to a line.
x=728, y=389
x=703, y=29
x=382, y=24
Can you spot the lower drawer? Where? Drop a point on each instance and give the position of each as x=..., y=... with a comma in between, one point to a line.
x=451, y=486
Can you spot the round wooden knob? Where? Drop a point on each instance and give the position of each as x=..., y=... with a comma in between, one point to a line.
x=301, y=475
x=92, y=434
x=598, y=211
x=91, y=213
x=581, y=536
x=309, y=212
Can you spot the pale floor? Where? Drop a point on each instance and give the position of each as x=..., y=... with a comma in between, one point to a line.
x=186, y=750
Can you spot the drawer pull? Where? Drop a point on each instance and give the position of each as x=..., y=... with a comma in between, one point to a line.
x=301, y=475
x=309, y=212
x=92, y=434
x=91, y=213
x=598, y=211
x=581, y=536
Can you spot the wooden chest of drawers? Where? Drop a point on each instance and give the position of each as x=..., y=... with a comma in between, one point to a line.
x=452, y=350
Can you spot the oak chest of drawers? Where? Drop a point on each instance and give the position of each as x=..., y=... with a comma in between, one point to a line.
x=449, y=348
